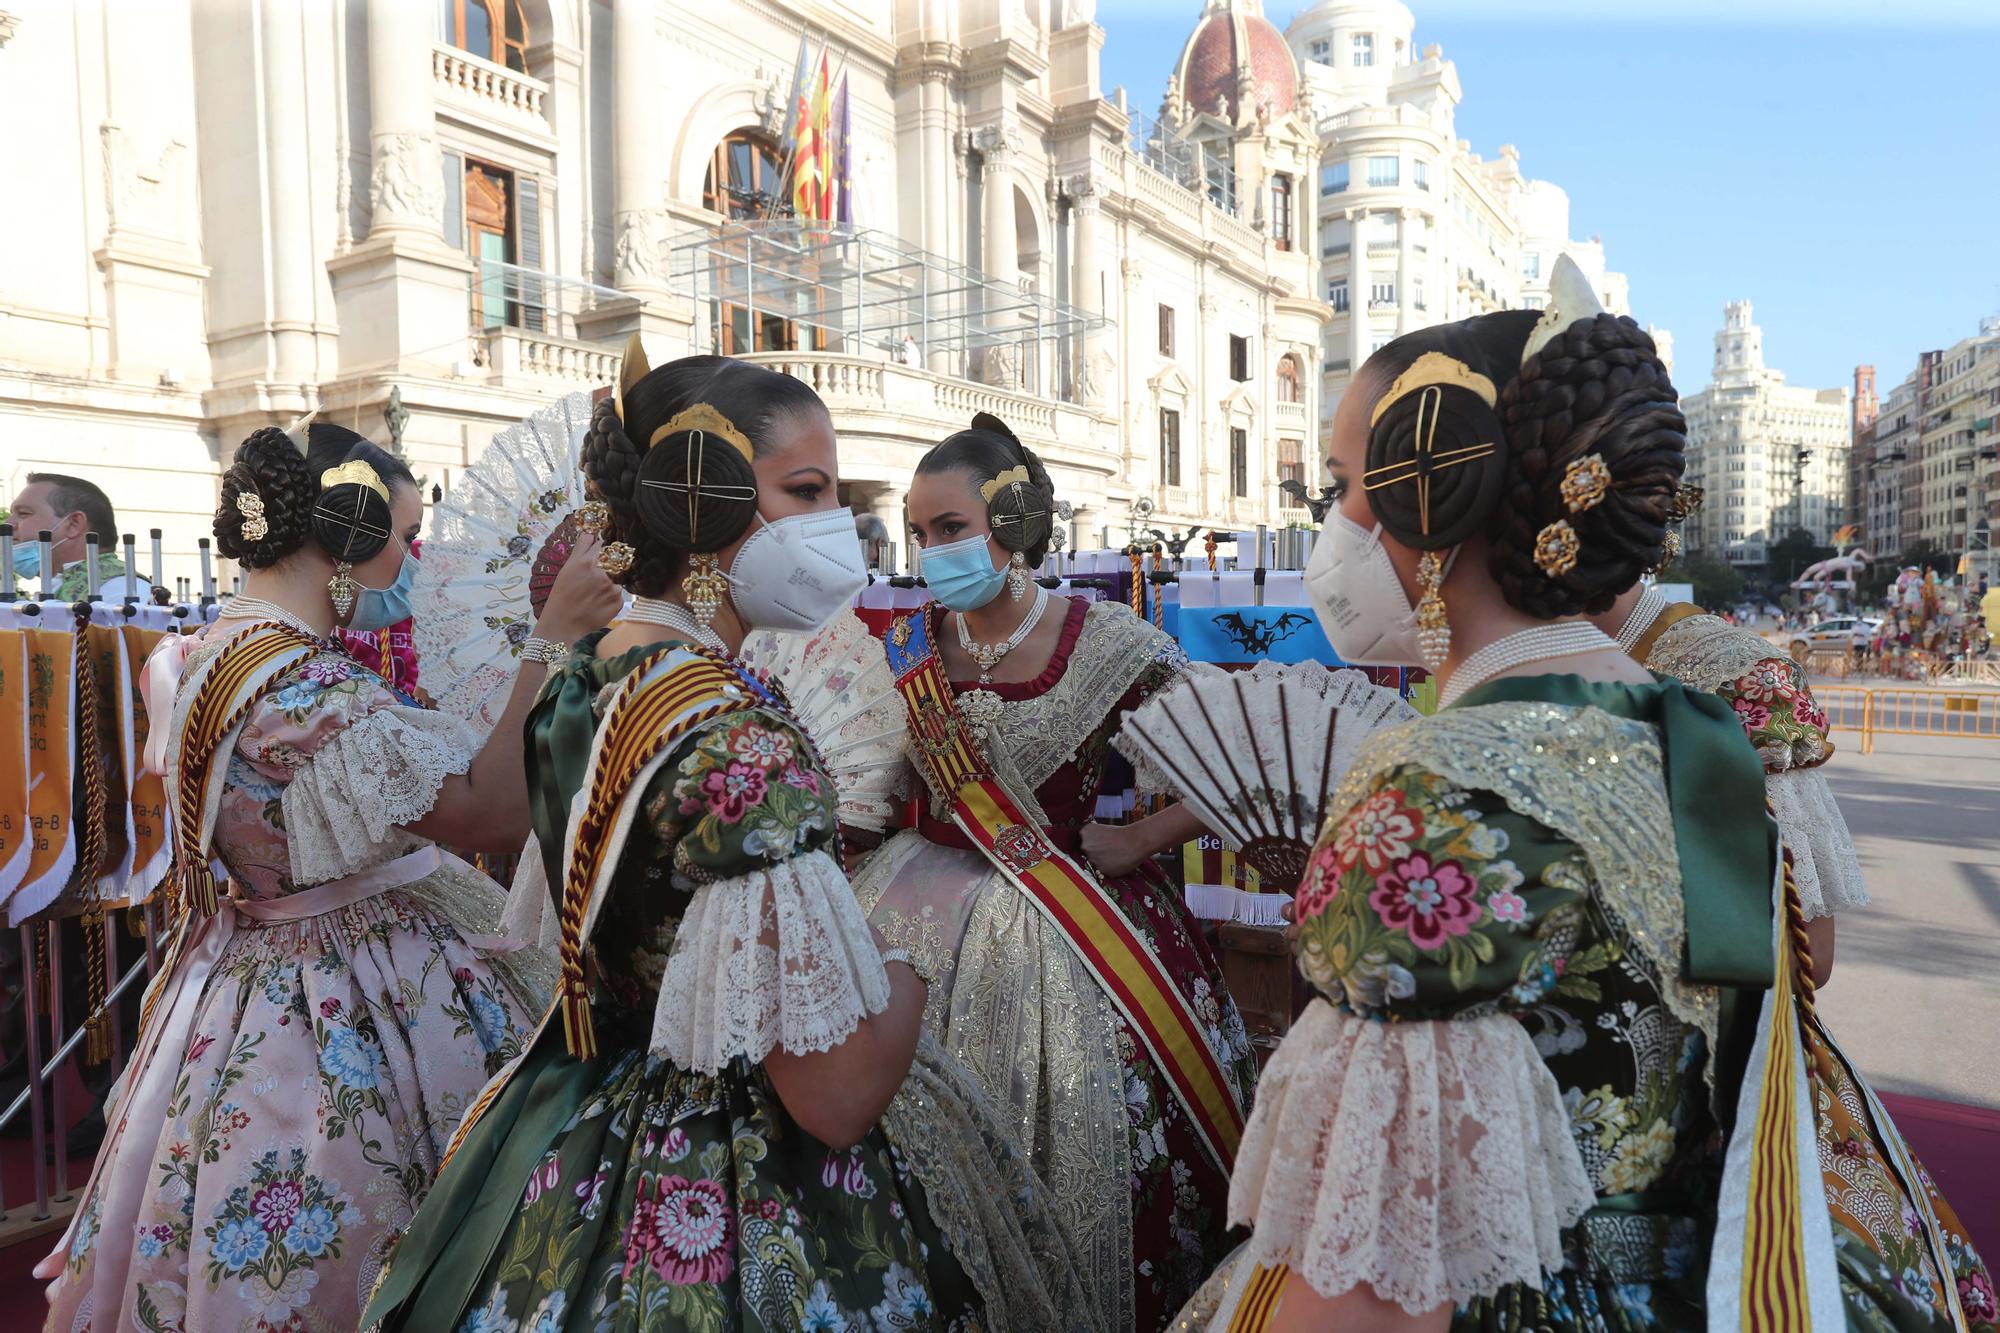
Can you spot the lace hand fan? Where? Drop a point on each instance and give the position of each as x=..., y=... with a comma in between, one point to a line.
x=496, y=544
x=839, y=684
x=1258, y=754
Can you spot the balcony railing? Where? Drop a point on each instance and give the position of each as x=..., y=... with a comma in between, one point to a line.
x=483, y=84
x=524, y=324
x=1289, y=414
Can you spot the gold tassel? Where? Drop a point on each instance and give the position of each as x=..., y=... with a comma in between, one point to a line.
x=96, y=1028
x=579, y=1030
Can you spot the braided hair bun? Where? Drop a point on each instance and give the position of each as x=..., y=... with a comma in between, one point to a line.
x=1022, y=513
x=1437, y=453
x=1597, y=442
x=647, y=483
x=269, y=467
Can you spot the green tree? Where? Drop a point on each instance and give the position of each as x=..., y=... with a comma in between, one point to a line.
x=1717, y=585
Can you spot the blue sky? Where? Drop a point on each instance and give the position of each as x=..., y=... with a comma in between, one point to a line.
x=1836, y=163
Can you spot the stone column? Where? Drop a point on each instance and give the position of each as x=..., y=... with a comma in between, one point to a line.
x=999, y=248
x=288, y=195
x=1084, y=286
x=406, y=180
x=1357, y=290
x=1406, y=295
x=635, y=148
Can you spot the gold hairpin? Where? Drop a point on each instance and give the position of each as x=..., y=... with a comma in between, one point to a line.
x=1556, y=549
x=703, y=417
x=1012, y=476
x=1425, y=461
x=250, y=505
x=354, y=472
x=1586, y=481
x=1435, y=368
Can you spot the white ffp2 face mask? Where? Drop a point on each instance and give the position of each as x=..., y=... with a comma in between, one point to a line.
x=796, y=573
x=1360, y=602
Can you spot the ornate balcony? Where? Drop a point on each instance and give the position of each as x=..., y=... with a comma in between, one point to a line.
x=489, y=94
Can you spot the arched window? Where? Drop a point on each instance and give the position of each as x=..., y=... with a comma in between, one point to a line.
x=495, y=30
x=743, y=176
x=1281, y=211
x=1288, y=381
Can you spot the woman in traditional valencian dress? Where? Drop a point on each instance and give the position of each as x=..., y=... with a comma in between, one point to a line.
x=1553, y=1080
x=725, y=1129
x=326, y=1014
x=1068, y=974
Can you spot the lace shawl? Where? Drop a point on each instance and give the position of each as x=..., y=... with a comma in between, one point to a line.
x=774, y=959
x=1708, y=653
x=345, y=809
x=1595, y=779
x=1432, y=1161
x=1824, y=863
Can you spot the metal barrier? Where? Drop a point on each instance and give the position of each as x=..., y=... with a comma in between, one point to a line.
x=1974, y=714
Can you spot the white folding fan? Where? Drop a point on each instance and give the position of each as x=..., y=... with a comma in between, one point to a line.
x=1257, y=755
x=496, y=544
x=839, y=683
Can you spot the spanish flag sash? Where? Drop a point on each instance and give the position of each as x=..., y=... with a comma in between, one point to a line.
x=658, y=703
x=223, y=696
x=1117, y=956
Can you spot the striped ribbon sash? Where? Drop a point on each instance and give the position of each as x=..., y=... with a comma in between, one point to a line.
x=1117, y=956
x=635, y=731
x=223, y=699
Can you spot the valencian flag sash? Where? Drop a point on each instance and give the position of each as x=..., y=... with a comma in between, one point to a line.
x=51, y=757
x=146, y=790
x=14, y=825
x=1118, y=957
x=658, y=703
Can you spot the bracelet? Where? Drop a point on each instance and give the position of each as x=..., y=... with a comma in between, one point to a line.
x=546, y=651
x=903, y=956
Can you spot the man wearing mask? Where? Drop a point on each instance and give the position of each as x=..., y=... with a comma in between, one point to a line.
x=67, y=508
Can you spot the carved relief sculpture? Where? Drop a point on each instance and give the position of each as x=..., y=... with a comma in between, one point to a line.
x=406, y=183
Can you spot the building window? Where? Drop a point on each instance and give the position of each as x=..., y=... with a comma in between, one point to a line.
x=489, y=234
x=1336, y=294
x=1239, y=358
x=1418, y=293
x=1333, y=237
x=1170, y=447
x=1281, y=211
x=1239, y=462
x=1291, y=467
x=1423, y=174
x=1320, y=51
x=1384, y=171
x=1288, y=381
x=1381, y=294
x=1363, y=47
x=1166, y=330
x=495, y=30
x=1333, y=178
x=1531, y=266
x=1382, y=230
x=744, y=176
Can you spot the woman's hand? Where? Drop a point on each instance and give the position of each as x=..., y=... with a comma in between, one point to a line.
x=583, y=597
x=1114, y=849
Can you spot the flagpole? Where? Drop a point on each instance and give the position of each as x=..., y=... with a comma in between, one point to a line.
x=791, y=142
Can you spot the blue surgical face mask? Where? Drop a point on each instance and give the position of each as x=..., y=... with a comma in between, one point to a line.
x=962, y=575
x=379, y=608
x=28, y=559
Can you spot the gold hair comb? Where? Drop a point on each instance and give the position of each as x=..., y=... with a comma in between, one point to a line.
x=356, y=473
x=1012, y=476
x=701, y=416
x=1435, y=368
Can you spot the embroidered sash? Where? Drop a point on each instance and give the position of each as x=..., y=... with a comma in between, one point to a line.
x=652, y=709
x=223, y=698
x=51, y=769
x=147, y=790
x=1118, y=958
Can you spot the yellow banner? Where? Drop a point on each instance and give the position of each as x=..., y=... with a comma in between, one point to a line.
x=13, y=758
x=51, y=724
x=147, y=792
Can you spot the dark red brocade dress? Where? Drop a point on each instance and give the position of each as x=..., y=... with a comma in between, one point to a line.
x=1134, y=1184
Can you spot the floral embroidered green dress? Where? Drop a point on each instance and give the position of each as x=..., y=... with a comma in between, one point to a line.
x=662, y=1184
x=1510, y=1099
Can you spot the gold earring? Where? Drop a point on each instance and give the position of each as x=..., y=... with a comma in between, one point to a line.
x=1017, y=576
x=616, y=558
x=703, y=587
x=1433, y=630
x=343, y=589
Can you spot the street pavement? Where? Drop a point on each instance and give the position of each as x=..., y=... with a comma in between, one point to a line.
x=1915, y=995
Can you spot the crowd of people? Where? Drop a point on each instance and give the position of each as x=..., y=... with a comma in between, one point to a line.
x=711, y=1064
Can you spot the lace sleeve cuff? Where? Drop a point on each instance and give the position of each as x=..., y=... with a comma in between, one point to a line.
x=372, y=776
x=775, y=959
x=1824, y=863
x=1432, y=1161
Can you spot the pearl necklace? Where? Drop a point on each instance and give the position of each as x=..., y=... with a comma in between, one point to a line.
x=1566, y=638
x=988, y=655
x=654, y=611
x=240, y=607
x=1644, y=612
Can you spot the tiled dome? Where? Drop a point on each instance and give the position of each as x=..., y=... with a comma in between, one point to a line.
x=1208, y=64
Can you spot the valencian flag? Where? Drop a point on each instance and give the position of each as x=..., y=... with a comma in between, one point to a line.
x=821, y=175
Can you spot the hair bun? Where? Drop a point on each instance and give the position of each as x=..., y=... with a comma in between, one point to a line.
x=1598, y=389
x=1437, y=459
x=351, y=521
x=697, y=492
x=268, y=466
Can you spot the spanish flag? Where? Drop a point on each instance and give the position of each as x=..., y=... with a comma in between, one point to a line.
x=811, y=162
